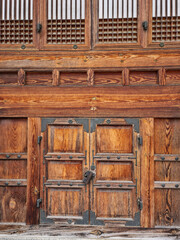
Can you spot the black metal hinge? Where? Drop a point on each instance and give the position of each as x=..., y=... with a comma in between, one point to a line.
x=140, y=140
x=140, y=204
x=145, y=25
x=39, y=28
x=38, y=202
x=39, y=139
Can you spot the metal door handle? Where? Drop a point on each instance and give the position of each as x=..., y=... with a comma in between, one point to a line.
x=88, y=176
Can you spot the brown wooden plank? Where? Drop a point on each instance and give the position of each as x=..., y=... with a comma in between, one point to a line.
x=173, y=77
x=13, y=204
x=167, y=211
x=138, y=101
x=13, y=135
x=167, y=133
x=114, y=139
x=147, y=172
x=107, y=78
x=39, y=78
x=143, y=78
x=7, y=169
x=33, y=187
x=8, y=78
x=93, y=59
x=73, y=78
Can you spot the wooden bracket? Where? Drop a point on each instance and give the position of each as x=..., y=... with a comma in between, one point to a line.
x=21, y=77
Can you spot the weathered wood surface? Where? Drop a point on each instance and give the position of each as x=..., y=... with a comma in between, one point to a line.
x=51, y=60
x=147, y=172
x=87, y=232
x=13, y=170
x=111, y=102
x=33, y=169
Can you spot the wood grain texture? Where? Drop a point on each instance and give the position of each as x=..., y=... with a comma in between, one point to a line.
x=167, y=171
x=65, y=170
x=7, y=168
x=147, y=172
x=55, y=76
x=8, y=78
x=94, y=59
x=21, y=77
x=167, y=132
x=114, y=139
x=125, y=77
x=58, y=199
x=13, y=204
x=143, y=78
x=162, y=76
x=108, y=78
x=13, y=135
x=167, y=211
x=58, y=136
x=173, y=77
x=114, y=171
x=73, y=78
x=33, y=187
x=110, y=102
x=90, y=77
x=167, y=142
x=114, y=203
x=39, y=78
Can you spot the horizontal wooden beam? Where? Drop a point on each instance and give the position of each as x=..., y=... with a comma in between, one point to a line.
x=161, y=101
x=70, y=60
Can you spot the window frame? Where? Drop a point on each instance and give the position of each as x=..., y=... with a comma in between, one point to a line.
x=64, y=47
x=156, y=45
x=116, y=46
x=35, y=44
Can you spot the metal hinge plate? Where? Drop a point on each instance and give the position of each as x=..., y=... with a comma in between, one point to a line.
x=39, y=139
x=38, y=202
x=140, y=204
x=140, y=140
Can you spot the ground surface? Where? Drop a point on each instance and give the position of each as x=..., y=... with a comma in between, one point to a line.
x=57, y=232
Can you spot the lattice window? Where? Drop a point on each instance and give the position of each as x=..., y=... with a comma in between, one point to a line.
x=165, y=20
x=66, y=22
x=16, y=21
x=117, y=21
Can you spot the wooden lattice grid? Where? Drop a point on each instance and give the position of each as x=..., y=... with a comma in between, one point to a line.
x=16, y=31
x=117, y=30
x=165, y=20
x=16, y=22
x=66, y=22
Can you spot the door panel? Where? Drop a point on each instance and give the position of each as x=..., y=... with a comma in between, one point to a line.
x=65, y=158
x=13, y=170
x=166, y=172
x=114, y=139
x=65, y=139
x=114, y=158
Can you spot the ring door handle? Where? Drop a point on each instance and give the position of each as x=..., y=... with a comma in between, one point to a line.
x=87, y=177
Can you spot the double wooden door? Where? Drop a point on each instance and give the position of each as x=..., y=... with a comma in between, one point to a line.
x=90, y=171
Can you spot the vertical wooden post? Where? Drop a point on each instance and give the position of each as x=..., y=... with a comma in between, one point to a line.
x=125, y=77
x=147, y=171
x=33, y=171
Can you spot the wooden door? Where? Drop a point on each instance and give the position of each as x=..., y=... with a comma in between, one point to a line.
x=114, y=154
x=106, y=147
x=65, y=158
